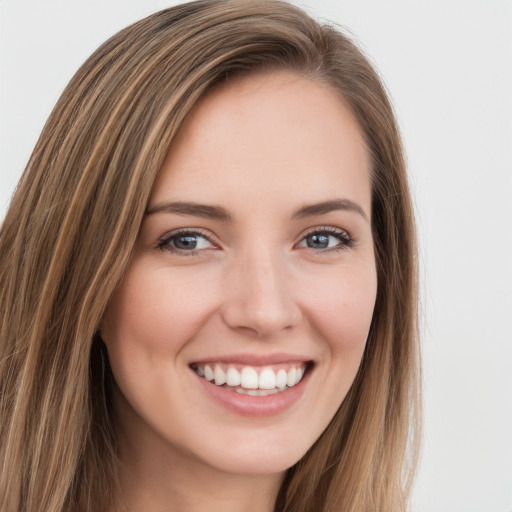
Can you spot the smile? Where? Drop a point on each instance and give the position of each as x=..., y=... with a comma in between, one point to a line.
x=252, y=380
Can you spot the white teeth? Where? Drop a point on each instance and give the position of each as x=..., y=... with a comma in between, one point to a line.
x=208, y=373
x=267, y=379
x=257, y=392
x=281, y=378
x=233, y=377
x=291, y=377
x=249, y=378
x=220, y=376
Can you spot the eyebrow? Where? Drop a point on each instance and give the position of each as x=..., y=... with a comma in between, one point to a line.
x=192, y=209
x=312, y=210
x=218, y=213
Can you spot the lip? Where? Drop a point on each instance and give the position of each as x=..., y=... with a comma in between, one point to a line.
x=256, y=406
x=254, y=359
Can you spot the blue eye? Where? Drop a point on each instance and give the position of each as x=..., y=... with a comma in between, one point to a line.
x=185, y=241
x=325, y=239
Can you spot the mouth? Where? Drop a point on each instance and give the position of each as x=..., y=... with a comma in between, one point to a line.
x=253, y=380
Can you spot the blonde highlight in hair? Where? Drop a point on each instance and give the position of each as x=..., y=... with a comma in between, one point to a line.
x=69, y=234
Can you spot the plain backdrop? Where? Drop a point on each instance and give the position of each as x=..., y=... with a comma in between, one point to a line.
x=448, y=67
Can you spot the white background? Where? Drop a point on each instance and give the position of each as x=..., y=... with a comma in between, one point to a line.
x=448, y=66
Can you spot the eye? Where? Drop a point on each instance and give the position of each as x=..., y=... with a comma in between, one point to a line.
x=325, y=239
x=186, y=242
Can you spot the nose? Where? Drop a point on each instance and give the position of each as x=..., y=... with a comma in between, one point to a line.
x=260, y=297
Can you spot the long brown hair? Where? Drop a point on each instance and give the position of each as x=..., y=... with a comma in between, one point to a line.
x=73, y=222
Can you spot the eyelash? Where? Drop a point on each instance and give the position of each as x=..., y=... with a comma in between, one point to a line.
x=165, y=243
x=346, y=241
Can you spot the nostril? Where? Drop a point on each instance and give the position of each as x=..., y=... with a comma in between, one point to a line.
x=248, y=319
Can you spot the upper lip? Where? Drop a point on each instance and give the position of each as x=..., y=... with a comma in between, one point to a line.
x=254, y=359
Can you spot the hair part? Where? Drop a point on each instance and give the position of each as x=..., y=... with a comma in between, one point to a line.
x=69, y=234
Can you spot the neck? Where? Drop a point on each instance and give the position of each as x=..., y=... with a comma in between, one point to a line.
x=177, y=490
x=179, y=485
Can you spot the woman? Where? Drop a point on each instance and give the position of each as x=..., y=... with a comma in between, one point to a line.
x=208, y=281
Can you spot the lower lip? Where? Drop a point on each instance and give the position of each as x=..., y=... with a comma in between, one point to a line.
x=247, y=405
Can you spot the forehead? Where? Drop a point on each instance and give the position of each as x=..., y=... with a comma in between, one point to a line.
x=267, y=135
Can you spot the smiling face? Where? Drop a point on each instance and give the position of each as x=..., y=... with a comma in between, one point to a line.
x=241, y=323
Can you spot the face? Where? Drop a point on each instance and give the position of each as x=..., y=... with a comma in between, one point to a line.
x=241, y=322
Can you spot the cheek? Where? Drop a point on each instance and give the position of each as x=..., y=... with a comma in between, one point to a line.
x=342, y=309
x=156, y=311
x=149, y=323
x=339, y=309
x=152, y=317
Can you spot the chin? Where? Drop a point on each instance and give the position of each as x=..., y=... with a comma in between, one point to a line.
x=268, y=461
x=264, y=452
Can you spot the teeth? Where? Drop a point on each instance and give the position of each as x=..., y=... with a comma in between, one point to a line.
x=233, y=377
x=257, y=392
x=220, y=376
x=267, y=379
x=281, y=378
x=249, y=378
x=248, y=381
x=291, y=378
x=208, y=373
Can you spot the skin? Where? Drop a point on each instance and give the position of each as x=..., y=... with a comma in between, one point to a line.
x=260, y=147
